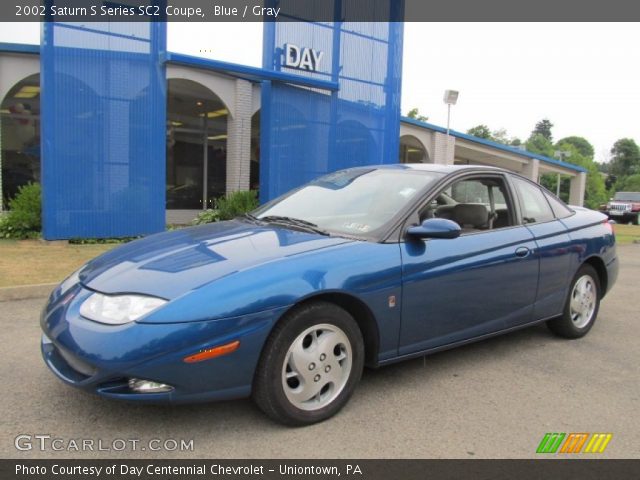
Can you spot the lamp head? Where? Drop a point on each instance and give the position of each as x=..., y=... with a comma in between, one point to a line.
x=451, y=97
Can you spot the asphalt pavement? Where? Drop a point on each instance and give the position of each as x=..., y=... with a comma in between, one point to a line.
x=491, y=399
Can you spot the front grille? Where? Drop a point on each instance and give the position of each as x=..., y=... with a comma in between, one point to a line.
x=621, y=207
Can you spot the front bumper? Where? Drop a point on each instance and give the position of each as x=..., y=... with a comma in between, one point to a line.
x=623, y=216
x=102, y=358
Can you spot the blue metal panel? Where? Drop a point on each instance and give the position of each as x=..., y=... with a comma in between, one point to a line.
x=103, y=129
x=247, y=72
x=307, y=132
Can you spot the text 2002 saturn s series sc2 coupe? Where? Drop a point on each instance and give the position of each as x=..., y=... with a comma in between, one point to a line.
x=365, y=266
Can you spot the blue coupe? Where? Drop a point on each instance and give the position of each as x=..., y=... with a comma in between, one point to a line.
x=365, y=266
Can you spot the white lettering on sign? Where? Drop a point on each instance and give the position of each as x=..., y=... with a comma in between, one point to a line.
x=303, y=58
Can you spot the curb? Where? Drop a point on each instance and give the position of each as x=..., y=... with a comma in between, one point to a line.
x=24, y=292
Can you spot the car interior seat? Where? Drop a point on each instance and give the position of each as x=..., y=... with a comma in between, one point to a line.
x=471, y=217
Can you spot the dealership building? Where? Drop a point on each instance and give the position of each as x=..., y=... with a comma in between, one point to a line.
x=125, y=137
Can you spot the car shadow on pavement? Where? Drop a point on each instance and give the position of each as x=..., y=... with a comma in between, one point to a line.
x=461, y=357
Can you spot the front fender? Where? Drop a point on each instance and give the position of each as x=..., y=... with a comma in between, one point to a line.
x=370, y=272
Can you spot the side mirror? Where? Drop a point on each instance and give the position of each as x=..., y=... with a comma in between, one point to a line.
x=435, y=228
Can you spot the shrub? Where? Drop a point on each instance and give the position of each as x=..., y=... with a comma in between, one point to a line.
x=230, y=206
x=100, y=241
x=24, y=217
x=236, y=203
x=207, y=216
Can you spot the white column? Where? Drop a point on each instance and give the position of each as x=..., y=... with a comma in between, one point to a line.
x=531, y=170
x=239, y=139
x=577, y=189
x=444, y=147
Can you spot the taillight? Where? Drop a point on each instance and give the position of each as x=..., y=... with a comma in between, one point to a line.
x=609, y=226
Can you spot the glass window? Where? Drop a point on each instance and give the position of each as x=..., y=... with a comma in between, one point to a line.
x=461, y=200
x=535, y=208
x=196, y=145
x=355, y=201
x=560, y=210
x=627, y=197
x=20, y=134
x=412, y=150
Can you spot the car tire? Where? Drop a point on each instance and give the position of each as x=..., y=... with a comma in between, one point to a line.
x=581, y=307
x=310, y=365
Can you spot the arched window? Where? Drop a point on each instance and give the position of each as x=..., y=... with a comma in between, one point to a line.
x=196, y=145
x=20, y=136
x=412, y=150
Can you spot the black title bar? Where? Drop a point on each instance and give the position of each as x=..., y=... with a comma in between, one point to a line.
x=317, y=10
x=198, y=469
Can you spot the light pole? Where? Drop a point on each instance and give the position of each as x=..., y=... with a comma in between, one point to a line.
x=450, y=98
x=562, y=156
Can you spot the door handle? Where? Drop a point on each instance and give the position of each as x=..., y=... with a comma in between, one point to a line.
x=522, y=252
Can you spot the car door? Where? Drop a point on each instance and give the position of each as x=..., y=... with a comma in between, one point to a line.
x=553, y=247
x=481, y=282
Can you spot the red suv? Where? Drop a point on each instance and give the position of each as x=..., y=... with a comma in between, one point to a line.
x=624, y=207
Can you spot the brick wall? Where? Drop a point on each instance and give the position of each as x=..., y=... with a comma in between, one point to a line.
x=239, y=139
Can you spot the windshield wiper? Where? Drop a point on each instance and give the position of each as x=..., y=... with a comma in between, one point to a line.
x=250, y=217
x=294, y=222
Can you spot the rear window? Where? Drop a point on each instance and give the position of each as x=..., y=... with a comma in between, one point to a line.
x=535, y=207
x=560, y=210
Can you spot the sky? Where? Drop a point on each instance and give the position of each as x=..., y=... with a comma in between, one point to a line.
x=584, y=77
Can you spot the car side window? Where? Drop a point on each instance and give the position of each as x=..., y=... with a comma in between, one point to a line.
x=560, y=210
x=476, y=204
x=535, y=208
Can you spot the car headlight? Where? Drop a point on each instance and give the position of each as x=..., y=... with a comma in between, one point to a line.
x=118, y=309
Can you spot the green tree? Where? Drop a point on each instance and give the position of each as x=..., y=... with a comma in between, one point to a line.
x=543, y=127
x=481, y=131
x=500, y=135
x=582, y=144
x=630, y=183
x=415, y=114
x=540, y=144
x=625, y=158
x=595, y=189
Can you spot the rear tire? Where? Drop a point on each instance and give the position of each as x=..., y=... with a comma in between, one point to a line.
x=581, y=307
x=310, y=365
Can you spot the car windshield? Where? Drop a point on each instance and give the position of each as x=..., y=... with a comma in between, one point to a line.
x=627, y=196
x=350, y=202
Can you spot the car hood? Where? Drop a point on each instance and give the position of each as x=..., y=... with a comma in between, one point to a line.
x=169, y=264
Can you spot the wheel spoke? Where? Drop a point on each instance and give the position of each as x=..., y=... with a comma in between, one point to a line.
x=299, y=363
x=314, y=339
x=576, y=306
x=304, y=394
x=582, y=286
x=335, y=375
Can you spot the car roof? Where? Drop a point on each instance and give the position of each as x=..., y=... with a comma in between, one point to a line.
x=433, y=167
